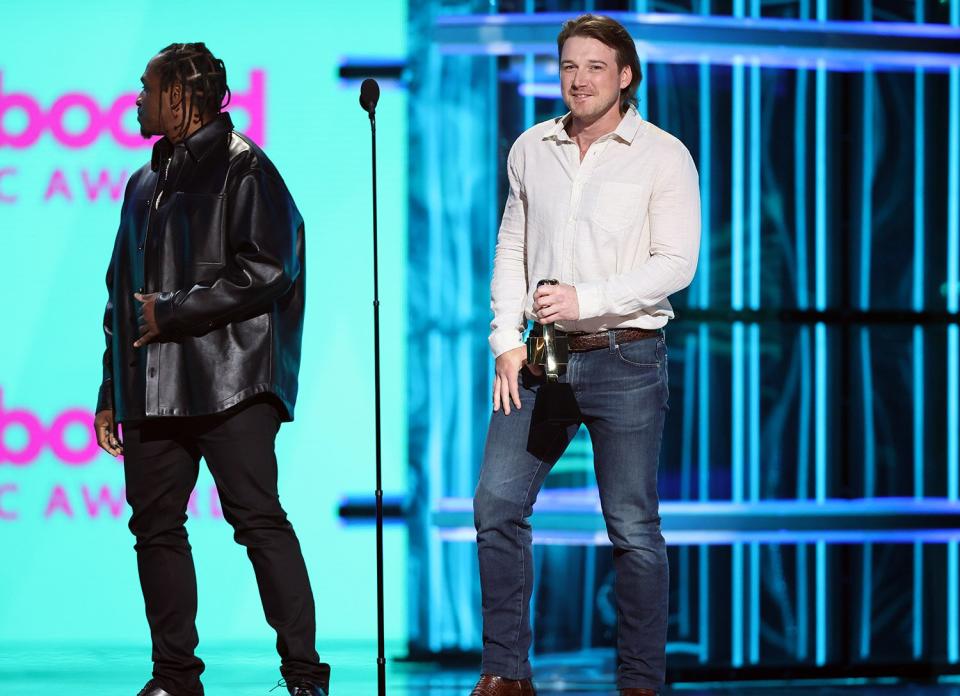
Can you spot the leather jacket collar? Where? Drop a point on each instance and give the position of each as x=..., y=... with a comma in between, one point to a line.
x=198, y=144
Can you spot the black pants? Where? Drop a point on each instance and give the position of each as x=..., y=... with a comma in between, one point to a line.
x=161, y=463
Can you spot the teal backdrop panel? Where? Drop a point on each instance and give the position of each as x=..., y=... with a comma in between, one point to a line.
x=68, y=141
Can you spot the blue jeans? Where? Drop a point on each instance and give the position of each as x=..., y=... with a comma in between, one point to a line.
x=621, y=396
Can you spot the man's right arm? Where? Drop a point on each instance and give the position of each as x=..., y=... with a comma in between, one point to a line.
x=508, y=292
x=104, y=423
x=105, y=397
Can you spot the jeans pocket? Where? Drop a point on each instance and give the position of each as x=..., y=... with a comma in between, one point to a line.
x=644, y=353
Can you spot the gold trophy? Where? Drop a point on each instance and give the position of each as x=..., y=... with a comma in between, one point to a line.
x=548, y=347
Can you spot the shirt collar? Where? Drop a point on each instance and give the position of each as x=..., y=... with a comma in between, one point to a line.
x=626, y=130
x=559, y=129
x=198, y=144
x=629, y=125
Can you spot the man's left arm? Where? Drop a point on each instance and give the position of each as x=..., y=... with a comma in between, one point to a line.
x=674, y=212
x=264, y=230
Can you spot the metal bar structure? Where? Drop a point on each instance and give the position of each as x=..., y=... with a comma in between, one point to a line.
x=734, y=325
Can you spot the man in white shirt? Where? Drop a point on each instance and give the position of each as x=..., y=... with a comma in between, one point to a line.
x=607, y=204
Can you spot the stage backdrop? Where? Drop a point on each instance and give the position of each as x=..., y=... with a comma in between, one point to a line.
x=68, y=142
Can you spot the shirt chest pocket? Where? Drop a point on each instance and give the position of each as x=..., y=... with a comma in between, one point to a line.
x=618, y=206
x=197, y=222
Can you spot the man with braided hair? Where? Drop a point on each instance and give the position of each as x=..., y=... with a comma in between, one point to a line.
x=203, y=325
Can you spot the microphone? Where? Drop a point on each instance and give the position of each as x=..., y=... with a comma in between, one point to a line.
x=369, y=95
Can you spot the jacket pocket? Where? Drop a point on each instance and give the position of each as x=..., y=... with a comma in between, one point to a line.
x=197, y=221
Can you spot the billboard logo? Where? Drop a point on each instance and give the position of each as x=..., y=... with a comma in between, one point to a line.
x=104, y=119
x=54, y=436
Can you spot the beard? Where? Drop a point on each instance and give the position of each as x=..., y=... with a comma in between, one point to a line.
x=146, y=131
x=591, y=109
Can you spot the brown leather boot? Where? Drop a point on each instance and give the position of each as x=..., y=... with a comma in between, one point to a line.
x=638, y=692
x=489, y=685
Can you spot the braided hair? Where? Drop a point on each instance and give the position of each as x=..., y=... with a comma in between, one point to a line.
x=199, y=73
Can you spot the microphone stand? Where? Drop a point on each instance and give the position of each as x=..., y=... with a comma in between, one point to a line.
x=381, y=658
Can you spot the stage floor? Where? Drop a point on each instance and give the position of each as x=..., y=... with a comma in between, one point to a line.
x=242, y=670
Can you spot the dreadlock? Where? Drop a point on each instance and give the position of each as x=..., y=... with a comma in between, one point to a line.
x=200, y=74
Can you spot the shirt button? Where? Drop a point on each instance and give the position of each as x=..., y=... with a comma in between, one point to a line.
x=153, y=372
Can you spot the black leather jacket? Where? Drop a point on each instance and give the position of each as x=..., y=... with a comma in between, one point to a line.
x=210, y=225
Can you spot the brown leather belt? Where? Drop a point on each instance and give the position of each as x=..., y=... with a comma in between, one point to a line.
x=581, y=342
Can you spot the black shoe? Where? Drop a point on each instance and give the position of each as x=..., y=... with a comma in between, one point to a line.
x=153, y=689
x=303, y=688
x=306, y=689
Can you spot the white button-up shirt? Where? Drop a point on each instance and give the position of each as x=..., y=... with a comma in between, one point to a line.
x=622, y=227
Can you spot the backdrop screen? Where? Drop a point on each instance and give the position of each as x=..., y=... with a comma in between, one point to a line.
x=68, y=142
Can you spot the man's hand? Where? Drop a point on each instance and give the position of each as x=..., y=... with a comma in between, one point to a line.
x=556, y=303
x=148, y=319
x=106, y=429
x=506, y=384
